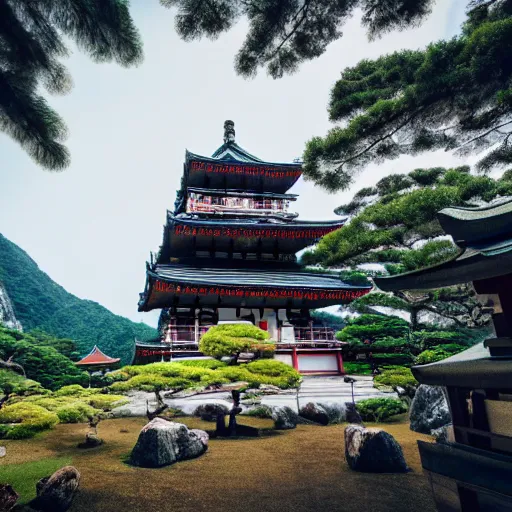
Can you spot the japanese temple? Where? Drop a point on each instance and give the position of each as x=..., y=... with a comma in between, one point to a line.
x=96, y=360
x=229, y=254
x=472, y=470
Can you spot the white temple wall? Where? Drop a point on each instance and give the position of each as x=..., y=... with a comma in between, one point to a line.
x=284, y=358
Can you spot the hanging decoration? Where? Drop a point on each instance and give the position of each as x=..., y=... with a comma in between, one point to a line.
x=271, y=293
x=299, y=233
x=265, y=170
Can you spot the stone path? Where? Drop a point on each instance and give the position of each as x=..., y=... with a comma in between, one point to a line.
x=313, y=389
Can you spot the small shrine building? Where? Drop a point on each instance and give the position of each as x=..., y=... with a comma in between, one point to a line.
x=472, y=470
x=228, y=254
x=96, y=360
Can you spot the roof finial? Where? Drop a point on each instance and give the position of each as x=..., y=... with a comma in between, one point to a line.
x=229, y=131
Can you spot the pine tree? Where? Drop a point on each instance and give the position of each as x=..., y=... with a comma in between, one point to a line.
x=31, y=45
x=284, y=33
x=455, y=95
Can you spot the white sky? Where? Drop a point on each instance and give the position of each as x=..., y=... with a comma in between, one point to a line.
x=92, y=226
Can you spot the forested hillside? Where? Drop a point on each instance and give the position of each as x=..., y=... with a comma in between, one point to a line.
x=41, y=303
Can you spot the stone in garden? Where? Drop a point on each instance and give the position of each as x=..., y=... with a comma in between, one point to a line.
x=8, y=497
x=269, y=389
x=373, y=450
x=284, y=418
x=92, y=440
x=3, y=451
x=315, y=412
x=352, y=416
x=163, y=442
x=443, y=434
x=209, y=412
x=55, y=493
x=429, y=409
x=337, y=413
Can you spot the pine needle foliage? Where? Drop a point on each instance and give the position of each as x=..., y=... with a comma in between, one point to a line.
x=32, y=44
x=454, y=95
x=283, y=34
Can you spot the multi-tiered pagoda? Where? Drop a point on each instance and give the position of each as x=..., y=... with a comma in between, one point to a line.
x=228, y=254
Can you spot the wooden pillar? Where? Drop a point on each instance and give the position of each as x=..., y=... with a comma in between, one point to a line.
x=341, y=370
x=295, y=359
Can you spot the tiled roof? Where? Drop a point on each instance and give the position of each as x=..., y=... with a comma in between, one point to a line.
x=97, y=357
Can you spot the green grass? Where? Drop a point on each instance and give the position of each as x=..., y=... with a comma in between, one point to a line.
x=23, y=477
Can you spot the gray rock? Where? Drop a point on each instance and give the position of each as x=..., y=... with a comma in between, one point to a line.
x=337, y=413
x=284, y=418
x=429, y=409
x=314, y=412
x=92, y=440
x=352, y=415
x=3, y=452
x=269, y=389
x=163, y=442
x=55, y=493
x=8, y=497
x=373, y=450
x=209, y=412
x=443, y=434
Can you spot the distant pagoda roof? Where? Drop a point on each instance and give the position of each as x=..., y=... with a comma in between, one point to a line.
x=184, y=285
x=185, y=235
x=97, y=358
x=484, y=236
x=232, y=167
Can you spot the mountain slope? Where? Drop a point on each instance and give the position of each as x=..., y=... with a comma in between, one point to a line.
x=39, y=302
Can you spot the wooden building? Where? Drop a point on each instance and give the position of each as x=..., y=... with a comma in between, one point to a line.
x=473, y=470
x=228, y=255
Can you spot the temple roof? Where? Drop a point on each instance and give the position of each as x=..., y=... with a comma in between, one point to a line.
x=473, y=368
x=185, y=235
x=97, y=358
x=484, y=236
x=170, y=284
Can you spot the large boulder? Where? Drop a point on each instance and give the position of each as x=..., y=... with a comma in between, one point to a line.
x=8, y=497
x=163, y=442
x=429, y=409
x=209, y=412
x=373, y=450
x=315, y=412
x=284, y=418
x=55, y=493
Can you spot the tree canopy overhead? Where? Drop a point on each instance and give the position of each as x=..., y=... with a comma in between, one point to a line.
x=455, y=95
x=284, y=33
x=31, y=45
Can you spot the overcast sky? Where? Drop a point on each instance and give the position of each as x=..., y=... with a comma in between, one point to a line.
x=91, y=227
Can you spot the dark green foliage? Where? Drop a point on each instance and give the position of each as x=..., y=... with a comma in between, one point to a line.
x=373, y=327
x=380, y=409
x=32, y=36
x=284, y=33
x=11, y=382
x=362, y=304
x=356, y=368
x=66, y=347
x=438, y=353
x=41, y=363
x=454, y=95
x=393, y=358
x=327, y=319
x=40, y=303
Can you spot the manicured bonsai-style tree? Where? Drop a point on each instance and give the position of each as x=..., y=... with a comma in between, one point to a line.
x=230, y=340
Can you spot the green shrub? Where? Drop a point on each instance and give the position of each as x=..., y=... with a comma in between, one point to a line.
x=72, y=390
x=115, y=376
x=398, y=376
x=355, y=368
x=23, y=420
x=380, y=409
x=11, y=382
x=432, y=356
x=77, y=412
x=210, y=364
x=106, y=402
x=387, y=358
x=232, y=339
x=389, y=343
x=261, y=411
